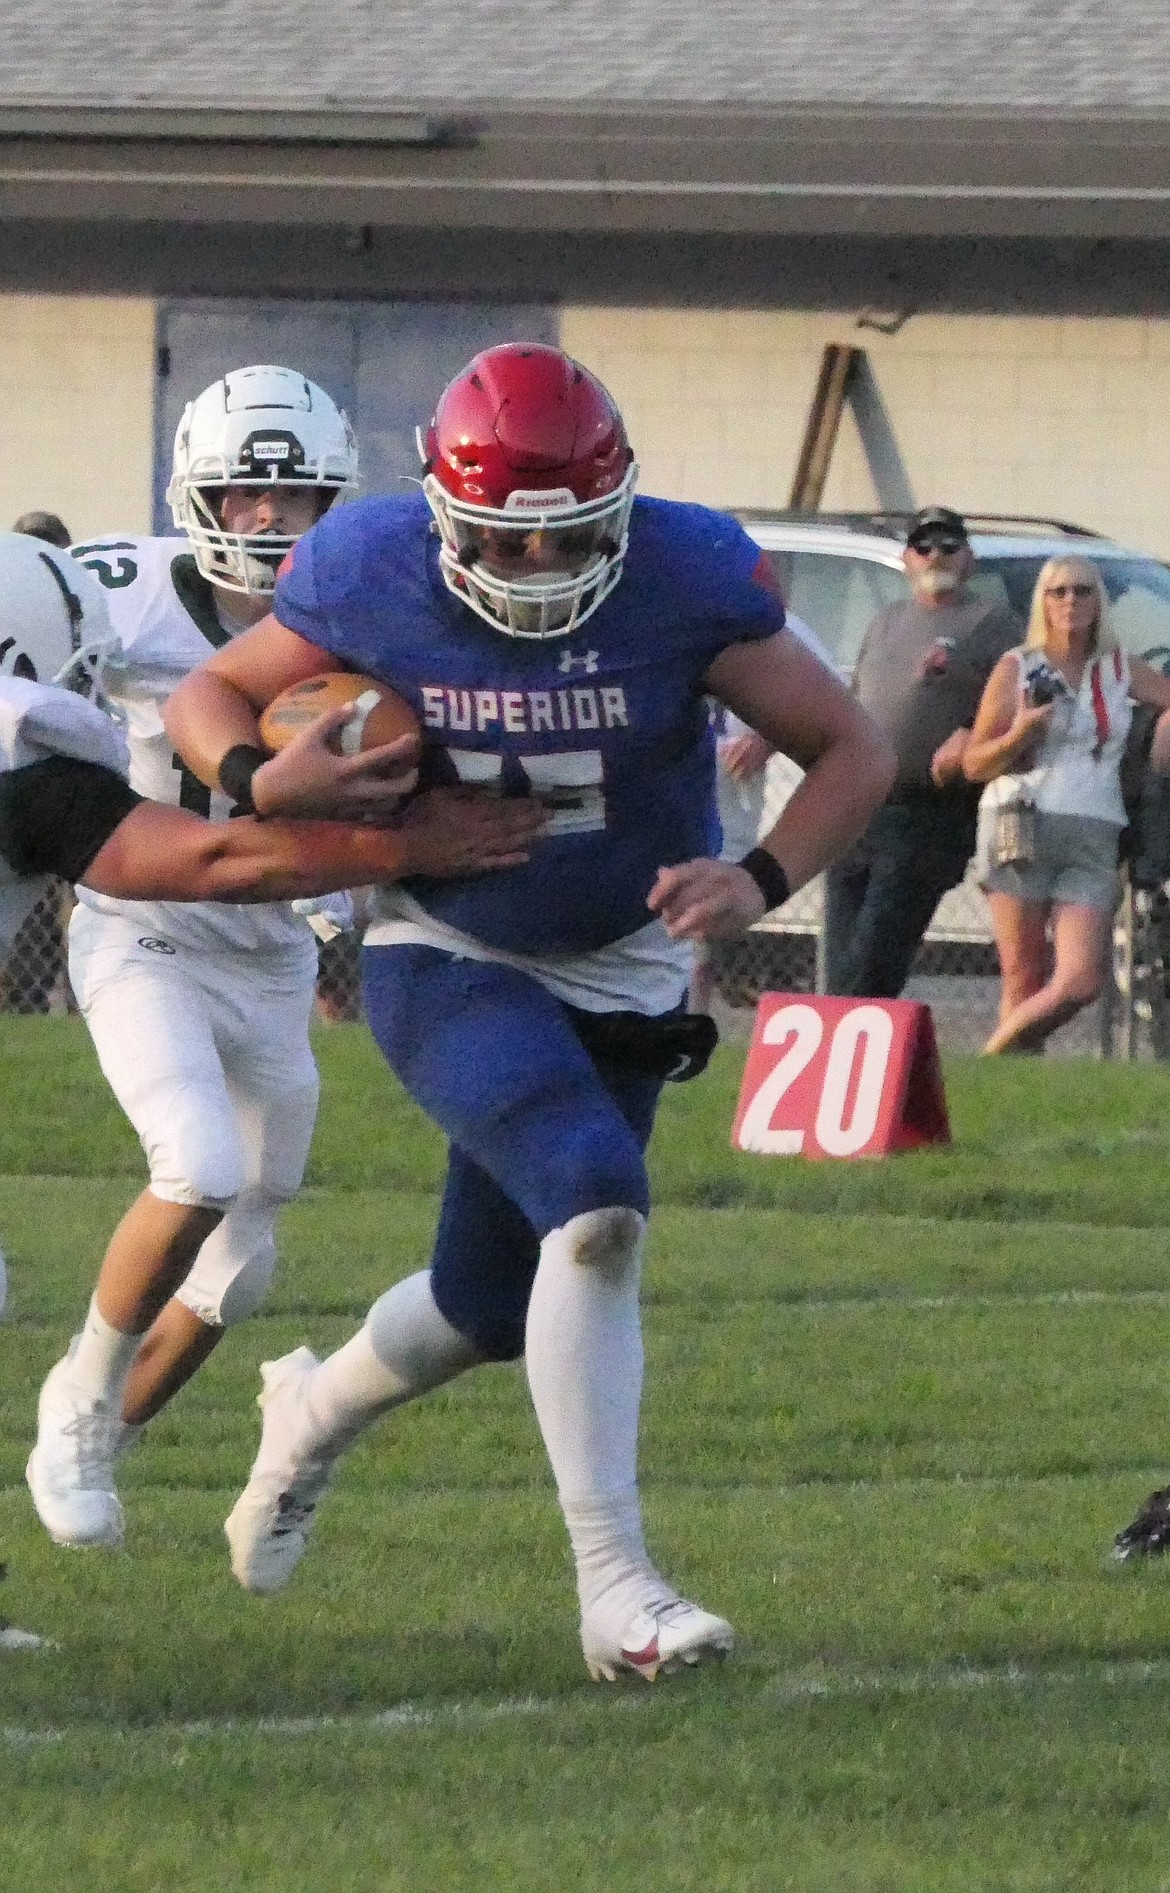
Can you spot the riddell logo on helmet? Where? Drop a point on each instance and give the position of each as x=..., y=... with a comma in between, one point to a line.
x=539, y=500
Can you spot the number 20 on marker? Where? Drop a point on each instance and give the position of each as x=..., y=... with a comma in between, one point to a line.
x=829, y=1077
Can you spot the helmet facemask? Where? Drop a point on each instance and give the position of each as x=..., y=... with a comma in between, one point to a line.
x=541, y=564
x=96, y=646
x=237, y=561
x=61, y=633
x=84, y=673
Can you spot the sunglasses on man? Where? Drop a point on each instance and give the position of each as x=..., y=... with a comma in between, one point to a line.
x=946, y=542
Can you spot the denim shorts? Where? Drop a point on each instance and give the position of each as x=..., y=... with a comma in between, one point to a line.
x=1075, y=865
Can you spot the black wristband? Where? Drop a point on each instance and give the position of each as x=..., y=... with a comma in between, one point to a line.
x=236, y=771
x=768, y=876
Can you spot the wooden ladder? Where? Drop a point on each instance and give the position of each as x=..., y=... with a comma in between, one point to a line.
x=839, y=366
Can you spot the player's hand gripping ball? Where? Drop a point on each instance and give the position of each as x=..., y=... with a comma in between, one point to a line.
x=380, y=714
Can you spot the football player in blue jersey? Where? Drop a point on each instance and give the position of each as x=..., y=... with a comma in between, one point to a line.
x=558, y=636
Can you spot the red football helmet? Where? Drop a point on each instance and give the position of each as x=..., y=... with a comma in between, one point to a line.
x=530, y=477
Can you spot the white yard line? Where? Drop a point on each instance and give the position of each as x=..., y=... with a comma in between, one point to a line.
x=962, y=1679
x=858, y=1304
x=782, y=1688
x=405, y=1718
x=1045, y=1298
x=929, y=1304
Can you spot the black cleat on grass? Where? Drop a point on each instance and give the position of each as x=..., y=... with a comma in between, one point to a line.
x=1150, y=1532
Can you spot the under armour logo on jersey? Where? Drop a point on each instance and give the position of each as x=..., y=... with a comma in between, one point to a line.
x=154, y=945
x=588, y=662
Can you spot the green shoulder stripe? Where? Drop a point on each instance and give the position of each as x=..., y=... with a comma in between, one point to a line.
x=195, y=594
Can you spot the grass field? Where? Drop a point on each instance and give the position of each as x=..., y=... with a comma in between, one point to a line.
x=895, y=1414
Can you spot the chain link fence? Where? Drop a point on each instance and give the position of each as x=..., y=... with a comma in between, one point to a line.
x=955, y=972
x=339, y=979
x=35, y=978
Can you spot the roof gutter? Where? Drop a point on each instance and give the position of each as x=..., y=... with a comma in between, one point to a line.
x=693, y=171
x=258, y=124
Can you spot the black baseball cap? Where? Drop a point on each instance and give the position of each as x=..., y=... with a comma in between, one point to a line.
x=935, y=522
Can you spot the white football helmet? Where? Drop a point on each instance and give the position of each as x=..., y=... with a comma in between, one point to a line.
x=54, y=626
x=258, y=427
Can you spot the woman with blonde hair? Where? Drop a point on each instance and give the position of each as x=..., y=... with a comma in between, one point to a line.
x=1048, y=740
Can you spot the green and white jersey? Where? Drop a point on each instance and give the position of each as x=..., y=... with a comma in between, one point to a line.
x=163, y=610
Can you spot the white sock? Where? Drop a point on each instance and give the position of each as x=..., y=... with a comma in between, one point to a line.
x=405, y=1348
x=584, y=1356
x=101, y=1358
x=615, y=1578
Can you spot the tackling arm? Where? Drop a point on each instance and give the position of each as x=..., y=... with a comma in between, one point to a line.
x=159, y=853
x=83, y=822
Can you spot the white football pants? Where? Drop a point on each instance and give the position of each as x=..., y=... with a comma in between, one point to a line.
x=208, y=1055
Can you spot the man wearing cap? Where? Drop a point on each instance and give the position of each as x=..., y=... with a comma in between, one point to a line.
x=920, y=674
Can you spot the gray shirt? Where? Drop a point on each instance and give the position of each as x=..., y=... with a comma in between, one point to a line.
x=921, y=672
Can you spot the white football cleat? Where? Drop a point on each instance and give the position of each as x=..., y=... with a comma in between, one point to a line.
x=660, y=1639
x=70, y=1472
x=269, y=1525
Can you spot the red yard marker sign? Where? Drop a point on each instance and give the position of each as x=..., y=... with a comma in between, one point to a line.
x=828, y=1077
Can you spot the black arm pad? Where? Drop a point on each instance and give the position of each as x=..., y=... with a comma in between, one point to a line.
x=56, y=815
x=235, y=774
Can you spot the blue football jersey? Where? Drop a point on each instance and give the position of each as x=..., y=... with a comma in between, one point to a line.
x=607, y=725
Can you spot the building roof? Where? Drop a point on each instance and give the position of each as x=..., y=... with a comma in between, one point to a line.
x=928, y=117
x=1069, y=57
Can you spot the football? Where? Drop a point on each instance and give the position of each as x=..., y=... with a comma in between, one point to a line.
x=381, y=715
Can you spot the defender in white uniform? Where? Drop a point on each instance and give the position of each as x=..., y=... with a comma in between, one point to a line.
x=200, y=1014
x=66, y=809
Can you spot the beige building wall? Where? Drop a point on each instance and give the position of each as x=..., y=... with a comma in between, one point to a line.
x=77, y=400
x=1068, y=418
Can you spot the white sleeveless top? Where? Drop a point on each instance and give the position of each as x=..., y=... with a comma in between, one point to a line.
x=1077, y=770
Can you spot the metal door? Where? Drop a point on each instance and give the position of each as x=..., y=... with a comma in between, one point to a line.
x=383, y=362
